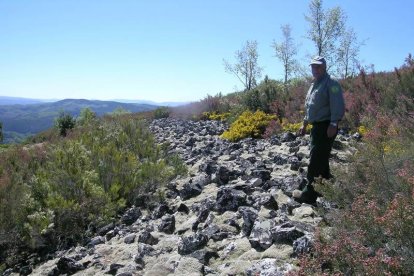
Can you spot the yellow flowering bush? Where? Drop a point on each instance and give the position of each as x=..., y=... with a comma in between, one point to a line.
x=215, y=116
x=293, y=127
x=362, y=130
x=248, y=124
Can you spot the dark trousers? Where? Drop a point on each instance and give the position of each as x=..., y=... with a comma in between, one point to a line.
x=320, y=150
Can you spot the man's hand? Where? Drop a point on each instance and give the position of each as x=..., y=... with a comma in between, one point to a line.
x=332, y=130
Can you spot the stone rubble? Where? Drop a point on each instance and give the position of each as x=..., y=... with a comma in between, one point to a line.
x=231, y=215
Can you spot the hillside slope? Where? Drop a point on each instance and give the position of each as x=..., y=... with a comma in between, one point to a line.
x=5, y=100
x=232, y=215
x=31, y=119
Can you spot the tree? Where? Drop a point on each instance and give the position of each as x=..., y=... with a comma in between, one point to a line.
x=64, y=123
x=119, y=111
x=86, y=116
x=326, y=28
x=1, y=132
x=347, y=53
x=246, y=68
x=286, y=52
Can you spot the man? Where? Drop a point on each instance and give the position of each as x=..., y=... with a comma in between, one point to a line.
x=324, y=109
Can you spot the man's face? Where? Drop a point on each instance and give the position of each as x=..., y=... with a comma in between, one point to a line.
x=318, y=70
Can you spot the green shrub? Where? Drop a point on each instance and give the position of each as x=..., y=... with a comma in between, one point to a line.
x=64, y=123
x=162, y=112
x=86, y=116
x=119, y=111
x=82, y=181
x=248, y=124
x=261, y=97
x=65, y=190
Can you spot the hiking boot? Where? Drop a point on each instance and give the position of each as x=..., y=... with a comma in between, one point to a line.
x=308, y=195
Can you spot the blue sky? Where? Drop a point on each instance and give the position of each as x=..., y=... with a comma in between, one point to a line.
x=165, y=50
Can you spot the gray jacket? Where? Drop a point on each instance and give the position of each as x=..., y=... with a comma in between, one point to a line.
x=324, y=101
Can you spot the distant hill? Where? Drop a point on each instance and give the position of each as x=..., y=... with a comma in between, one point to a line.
x=5, y=100
x=171, y=104
x=22, y=120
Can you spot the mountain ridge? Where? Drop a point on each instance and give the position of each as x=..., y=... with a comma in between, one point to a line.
x=8, y=100
x=22, y=120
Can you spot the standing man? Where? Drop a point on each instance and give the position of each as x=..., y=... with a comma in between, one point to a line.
x=324, y=109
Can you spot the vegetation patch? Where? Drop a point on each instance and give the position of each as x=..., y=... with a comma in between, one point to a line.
x=248, y=124
x=82, y=180
x=215, y=116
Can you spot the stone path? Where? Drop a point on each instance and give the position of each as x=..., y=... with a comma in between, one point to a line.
x=232, y=215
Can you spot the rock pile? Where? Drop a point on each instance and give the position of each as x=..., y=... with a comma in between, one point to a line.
x=232, y=215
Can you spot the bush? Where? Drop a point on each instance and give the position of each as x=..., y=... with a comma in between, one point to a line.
x=161, y=112
x=276, y=127
x=294, y=127
x=215, y=104
x=64, y=123
x=215, y=116
x=372, y=233
x=86, y=116
x=82, y=181
x=68, y=186
x=248, y=124
x=261, y=97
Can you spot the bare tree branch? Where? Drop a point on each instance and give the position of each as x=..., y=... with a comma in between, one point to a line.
x=286, y=52
x=246, y=68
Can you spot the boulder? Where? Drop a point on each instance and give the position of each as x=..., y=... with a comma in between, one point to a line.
x=295, y=163
x=192, y=243
x=147, y=238
x=288, y=184
x=105, y=229
x=222, y=175
x=182, y=208
x=261, y=237
x=229, y=200
x=161, y=210
x=303, y=245
x=145, y=250
x=131, y=215
x=249, y=216
x=111, y=233
x=263, y=199
x=130, y=238
x=69, y=266
x=208, y=167
x=190, y=190
x=287, y=137
x=167, y=224
x=286, y=233
x=96, y=240
x=215, y=232
x=264, y=175
x=204, y=255
x=202, y=216
x=280, y=160
x=113, y=268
